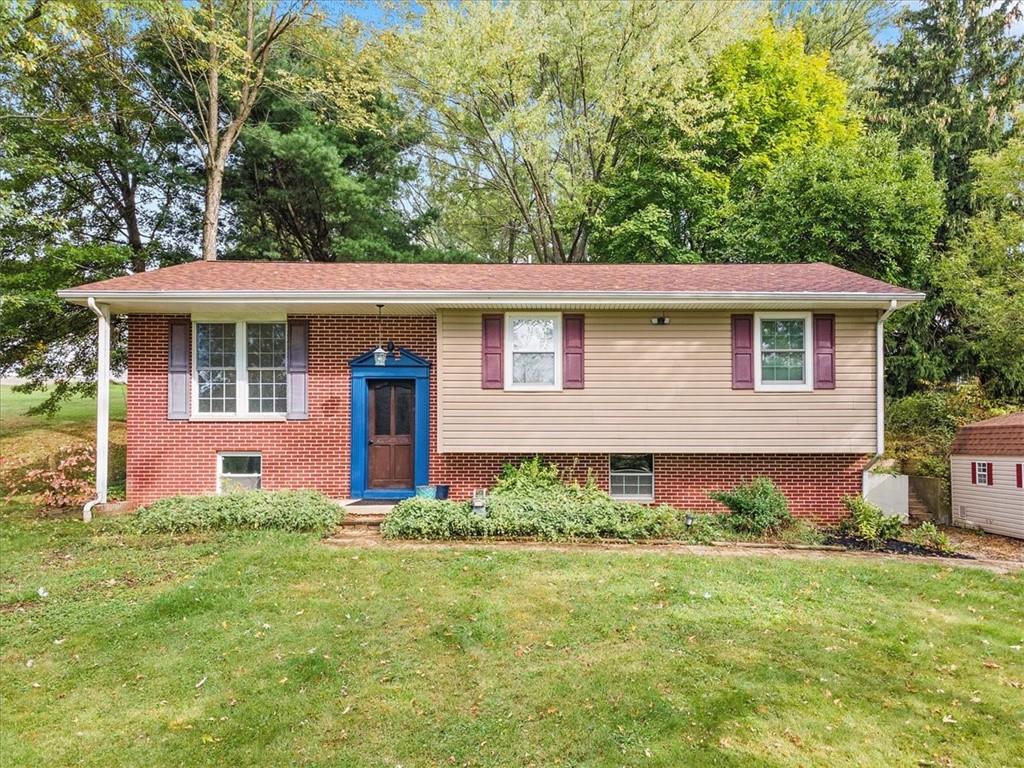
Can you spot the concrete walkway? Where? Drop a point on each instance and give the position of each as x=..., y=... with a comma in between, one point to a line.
x=369, y=536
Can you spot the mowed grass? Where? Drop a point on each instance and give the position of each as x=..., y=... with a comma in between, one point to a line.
x=272, y=649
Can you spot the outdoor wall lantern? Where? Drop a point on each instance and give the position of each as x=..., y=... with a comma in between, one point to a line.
x=380, y=355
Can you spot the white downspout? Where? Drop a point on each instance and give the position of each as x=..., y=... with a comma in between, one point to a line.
x=102, y=406
x=879, y=391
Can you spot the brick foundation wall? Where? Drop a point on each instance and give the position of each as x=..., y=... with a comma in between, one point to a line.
x=814, y=483
x=171, y=457
x=180, y=457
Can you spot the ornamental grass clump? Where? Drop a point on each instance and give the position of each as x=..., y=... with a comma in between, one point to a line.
x=758, y=508
x=299, y=511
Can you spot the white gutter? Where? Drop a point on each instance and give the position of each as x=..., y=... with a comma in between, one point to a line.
x=475, y=298
x=879, y=389
x=102, y=406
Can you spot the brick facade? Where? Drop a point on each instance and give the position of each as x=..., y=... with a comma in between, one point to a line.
x=170, y=457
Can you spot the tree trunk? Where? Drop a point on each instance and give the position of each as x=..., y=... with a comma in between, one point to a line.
x=211, y=208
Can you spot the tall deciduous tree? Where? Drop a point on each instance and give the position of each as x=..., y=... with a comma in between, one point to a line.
x=89, y=187
x=671, y=192
x=862, y=205
x=526, y=106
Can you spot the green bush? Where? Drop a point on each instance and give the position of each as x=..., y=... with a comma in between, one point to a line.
x=868, y=522
x=758, y=508
x=530, y=501
x=282, y=510
x=927, y=535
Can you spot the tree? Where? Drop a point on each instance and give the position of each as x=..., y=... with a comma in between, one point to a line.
x=982, y=278
x=952, y=83
x=862, y=205
x=671, y=193
x=526, y=105
x=90, y=188
x=305, y=185
x=216, y=55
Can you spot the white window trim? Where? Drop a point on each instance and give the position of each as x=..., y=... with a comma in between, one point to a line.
x=630, y=497
x=557, y=318
x=789, y=386
x=220, y=466
x=981, y=468
x=241, y=412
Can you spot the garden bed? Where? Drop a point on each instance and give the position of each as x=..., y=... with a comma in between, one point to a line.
x=891, y=546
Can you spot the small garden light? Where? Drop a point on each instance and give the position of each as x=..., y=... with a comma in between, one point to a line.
x=689, y=521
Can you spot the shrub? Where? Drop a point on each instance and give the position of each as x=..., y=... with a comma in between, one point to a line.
x=282, y=510
x=531, y=501
x=868, y=522
x=758, y=508
x=927, y=535
x=66, y=481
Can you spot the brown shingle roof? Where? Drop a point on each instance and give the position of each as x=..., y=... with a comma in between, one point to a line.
x=999, y=436
x=226, y=276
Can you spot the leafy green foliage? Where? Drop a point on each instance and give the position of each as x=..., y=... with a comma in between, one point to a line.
x=862, y=205
x=920, y=427
x=758, y=507
x=530, y=501
x=953, y=82
x=868, y=522
x=927, y=535
x=282, y=510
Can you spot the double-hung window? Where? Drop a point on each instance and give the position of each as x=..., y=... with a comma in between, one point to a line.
x=782, y=343
x=240, y=369
x=533, y=343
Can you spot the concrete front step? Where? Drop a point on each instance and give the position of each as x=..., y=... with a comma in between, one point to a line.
x=353, y=520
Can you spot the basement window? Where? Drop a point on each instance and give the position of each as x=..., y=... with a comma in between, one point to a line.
x=239, y=472
x=632, y=476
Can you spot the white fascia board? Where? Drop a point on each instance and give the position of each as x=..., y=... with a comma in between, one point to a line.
x=453, y=299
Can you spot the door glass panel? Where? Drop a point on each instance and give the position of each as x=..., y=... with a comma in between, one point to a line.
x=382, y=409
x=403, y=409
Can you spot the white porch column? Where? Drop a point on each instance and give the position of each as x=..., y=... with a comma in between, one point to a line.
x=102, y=406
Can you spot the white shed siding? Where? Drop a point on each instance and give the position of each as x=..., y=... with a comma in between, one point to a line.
x=996, y=508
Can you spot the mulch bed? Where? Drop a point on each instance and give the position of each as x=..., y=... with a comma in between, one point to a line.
x=893, y=546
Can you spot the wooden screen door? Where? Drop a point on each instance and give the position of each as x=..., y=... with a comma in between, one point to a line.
x=391, y=418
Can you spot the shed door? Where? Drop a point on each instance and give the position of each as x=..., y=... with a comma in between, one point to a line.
x=391, y=418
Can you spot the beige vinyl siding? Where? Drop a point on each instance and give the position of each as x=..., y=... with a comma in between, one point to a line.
x=996, y=508
x=656, y=389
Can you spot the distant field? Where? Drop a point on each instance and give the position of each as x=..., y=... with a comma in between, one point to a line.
x=15, y=405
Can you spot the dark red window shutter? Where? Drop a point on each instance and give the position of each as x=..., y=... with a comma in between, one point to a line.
x=742, y=351
x=178, y=365
x=974, y=473
x=492, y=368
x=298, y=369
x=1020, y=475
x=824, y=351
x=990, y=473
x=572, y=351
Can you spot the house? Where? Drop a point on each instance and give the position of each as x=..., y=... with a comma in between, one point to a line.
x=662, y=382
x=986, y=469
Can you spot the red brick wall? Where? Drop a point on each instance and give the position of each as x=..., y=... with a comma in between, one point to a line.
x=814, y=483
x=170, y=457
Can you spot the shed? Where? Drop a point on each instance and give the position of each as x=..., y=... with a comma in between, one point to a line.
x=987, y=475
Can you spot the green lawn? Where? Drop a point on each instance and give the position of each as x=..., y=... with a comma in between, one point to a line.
x=271, y=649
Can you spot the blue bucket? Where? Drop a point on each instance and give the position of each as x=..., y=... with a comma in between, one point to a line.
x=426, y=491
